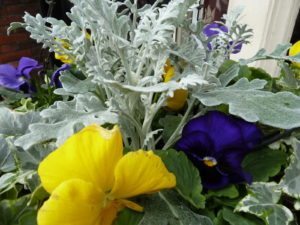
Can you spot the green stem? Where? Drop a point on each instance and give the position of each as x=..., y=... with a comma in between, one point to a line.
x=174, y=136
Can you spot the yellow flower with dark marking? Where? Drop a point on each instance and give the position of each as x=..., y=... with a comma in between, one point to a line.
x=59, y=55
x=295, y=50
x=90, y=179
x=178, y=100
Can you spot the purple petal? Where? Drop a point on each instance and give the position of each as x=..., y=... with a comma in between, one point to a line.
x=221, y=128
x=237, y=47
x=251, y=135
x=55, y=76
x=26, y=65
x=214, y=29
x=241, y=177
x=197, y=145
x=9, y=78
x=225, y=138
x=212, y=179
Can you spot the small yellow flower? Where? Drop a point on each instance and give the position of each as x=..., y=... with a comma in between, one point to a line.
x=176, y=102
x=295, y=50
x=59, y=55
x=90, y=180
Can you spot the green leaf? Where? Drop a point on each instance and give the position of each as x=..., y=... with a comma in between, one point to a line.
x=17, y=212
x=229, y=74
x=234, y=218
x=28, y=218
x=128, y=217
x=263, y=164
x=169, y=124
x=262, y=201
x=229, y=192
x=9, y=180
x=38, y=195
x=6, y=181
x=7, y=161
x=247, y=101
x=291, y=181
x=188, y=181
x=167, y=208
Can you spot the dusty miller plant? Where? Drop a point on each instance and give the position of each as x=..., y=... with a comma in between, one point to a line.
x=123, y=62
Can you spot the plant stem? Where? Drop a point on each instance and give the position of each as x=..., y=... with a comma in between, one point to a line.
x=180, y=125
x=150, y=114
x=276, y=137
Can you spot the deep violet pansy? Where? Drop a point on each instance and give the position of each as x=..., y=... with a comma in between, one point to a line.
x=217, y=143
x=55, y=76
x=19, y=78
x=214, y=29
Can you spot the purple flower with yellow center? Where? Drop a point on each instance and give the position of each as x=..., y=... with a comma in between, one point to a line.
x=217, y=143
x=215, y=29
x=19, y=78
x=55, y=76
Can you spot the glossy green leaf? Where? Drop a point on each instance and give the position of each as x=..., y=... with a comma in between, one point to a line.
x=235, y=218
x=188, y=181
x=229, y=192
x=128, y=217
x=263, y=164
x=17, y=212
x=169, y=124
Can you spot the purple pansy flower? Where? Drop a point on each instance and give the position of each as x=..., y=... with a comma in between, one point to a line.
x=55, y=76
x=217, y=143
x=18, y=78
x=214, y=29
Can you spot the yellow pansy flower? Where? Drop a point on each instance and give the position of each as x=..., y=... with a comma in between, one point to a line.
x=178, y=100
x=90, y=179
x=59, y=55
x=295, y=50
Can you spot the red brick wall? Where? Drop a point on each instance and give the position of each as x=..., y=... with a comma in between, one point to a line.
x=18, y=44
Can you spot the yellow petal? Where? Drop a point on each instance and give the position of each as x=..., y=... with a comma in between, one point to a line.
x=177, y=102
x=130, y=205
x=64, y=58
x=294, y=50
x=90, y=155
x=74, y=202
x=170, y=71
x=140, y=172
x=109, y=213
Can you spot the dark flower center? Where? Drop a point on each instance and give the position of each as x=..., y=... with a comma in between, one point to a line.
x=210, y=161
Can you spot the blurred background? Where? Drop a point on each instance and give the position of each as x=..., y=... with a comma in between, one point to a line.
x=273, y=22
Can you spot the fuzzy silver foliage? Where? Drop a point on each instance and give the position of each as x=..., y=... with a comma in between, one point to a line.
x=122, y=55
